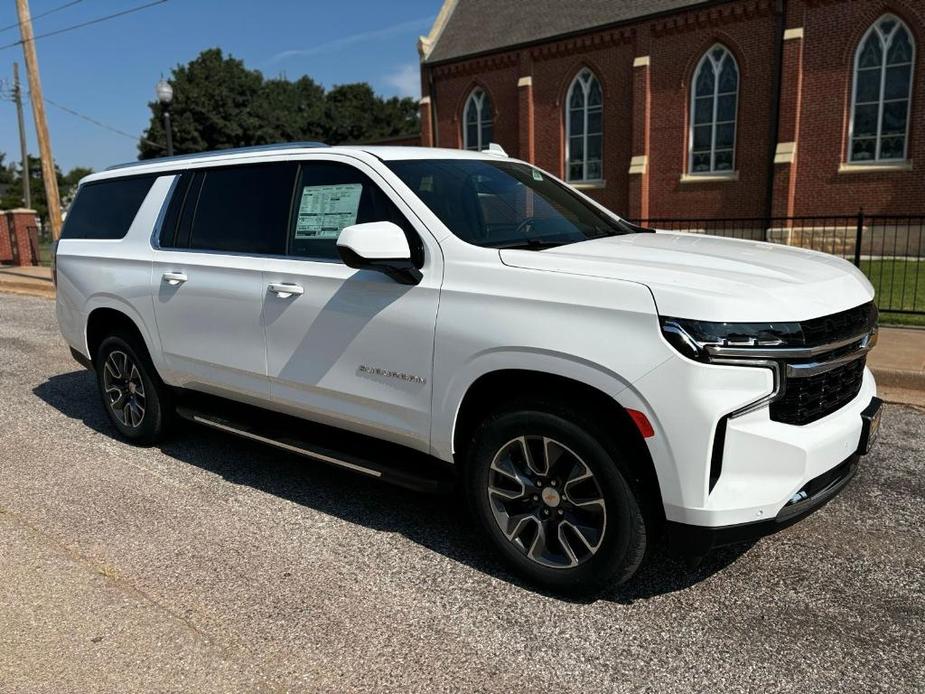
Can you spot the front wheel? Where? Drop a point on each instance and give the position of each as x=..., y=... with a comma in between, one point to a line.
x=546, y=487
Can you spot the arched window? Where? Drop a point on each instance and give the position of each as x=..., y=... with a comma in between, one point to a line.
x=714, y=99
x=882, y=89
x=584, y=113
x=477, y=121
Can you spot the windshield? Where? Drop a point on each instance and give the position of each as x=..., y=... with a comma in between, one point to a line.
x=504, y=204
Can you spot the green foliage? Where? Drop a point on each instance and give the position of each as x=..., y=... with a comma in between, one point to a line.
x=218, y=103
x=11, y=180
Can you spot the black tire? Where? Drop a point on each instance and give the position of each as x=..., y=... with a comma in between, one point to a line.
x=153, y=396
x=622, y=541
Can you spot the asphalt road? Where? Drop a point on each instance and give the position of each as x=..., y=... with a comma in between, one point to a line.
x=215, y=565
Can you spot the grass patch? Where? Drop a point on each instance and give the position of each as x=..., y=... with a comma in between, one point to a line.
x=900, y=286
x=45, y=253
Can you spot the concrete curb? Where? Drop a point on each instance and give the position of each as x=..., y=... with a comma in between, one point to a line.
x=899, y=378
x=28, y=288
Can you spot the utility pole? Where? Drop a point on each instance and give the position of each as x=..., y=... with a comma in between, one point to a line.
x=26, y=175
x=38, y=111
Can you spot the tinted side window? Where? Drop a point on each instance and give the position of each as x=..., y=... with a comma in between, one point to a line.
x=106, y=209
x=331, y=196
x=171, y=219
x=244, y=209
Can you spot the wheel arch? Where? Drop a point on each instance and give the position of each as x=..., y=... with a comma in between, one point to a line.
x=103, y=321
x=482, y=396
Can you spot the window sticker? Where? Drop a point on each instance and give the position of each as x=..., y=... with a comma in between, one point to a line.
x=537, y=176
x=325, y=210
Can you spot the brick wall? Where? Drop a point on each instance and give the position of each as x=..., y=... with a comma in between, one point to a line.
x=831, y=34
x=645, y=69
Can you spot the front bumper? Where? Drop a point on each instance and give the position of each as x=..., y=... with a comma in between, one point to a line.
x=698, y=540
x=764, y=463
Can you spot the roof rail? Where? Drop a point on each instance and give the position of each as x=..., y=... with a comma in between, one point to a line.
x=220, y=152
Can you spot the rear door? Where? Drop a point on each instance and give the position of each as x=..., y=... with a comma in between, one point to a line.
x=207, y=285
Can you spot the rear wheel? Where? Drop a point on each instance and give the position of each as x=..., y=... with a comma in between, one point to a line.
x=134, y=397
x=547, y=488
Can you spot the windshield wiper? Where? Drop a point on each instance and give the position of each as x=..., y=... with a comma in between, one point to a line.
x=530, y=244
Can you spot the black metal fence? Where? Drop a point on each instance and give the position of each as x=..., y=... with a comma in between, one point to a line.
x=889, y=249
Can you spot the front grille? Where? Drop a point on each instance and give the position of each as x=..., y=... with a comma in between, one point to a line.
x=839, y=326
x=807, y=399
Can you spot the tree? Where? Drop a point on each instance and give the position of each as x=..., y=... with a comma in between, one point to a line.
x=219, y=103
x=11, y=181
x=290, y=111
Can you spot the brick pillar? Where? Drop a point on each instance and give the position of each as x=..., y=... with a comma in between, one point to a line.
x=525, y=122
x=21, y=225
x=791, y=94
x=6, y=251
x=427, y=133
x=639, y=165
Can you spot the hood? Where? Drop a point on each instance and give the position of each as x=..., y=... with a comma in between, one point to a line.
x=712, y=278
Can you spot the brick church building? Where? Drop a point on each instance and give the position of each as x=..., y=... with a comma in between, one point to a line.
x=680, y=108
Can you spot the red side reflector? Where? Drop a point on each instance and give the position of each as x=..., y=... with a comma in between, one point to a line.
x=642, y=423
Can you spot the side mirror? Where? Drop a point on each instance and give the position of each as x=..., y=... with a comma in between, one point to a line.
x=379, y=246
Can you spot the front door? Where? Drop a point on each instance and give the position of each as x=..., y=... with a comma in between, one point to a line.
x=348, y=347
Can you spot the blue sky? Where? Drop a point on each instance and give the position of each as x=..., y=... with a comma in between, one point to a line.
x=108, y=71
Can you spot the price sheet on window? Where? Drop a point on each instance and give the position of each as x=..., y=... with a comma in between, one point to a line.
x=325, y=210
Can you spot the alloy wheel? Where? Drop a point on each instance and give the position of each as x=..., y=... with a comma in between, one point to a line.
x=124, y=388
x=546, y=501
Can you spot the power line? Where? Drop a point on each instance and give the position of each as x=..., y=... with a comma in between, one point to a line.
x=5, y=95
x=15, y=25
x=102, y=125
x=87, y=23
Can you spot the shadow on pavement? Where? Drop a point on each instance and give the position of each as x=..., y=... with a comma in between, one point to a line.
x=426, y=520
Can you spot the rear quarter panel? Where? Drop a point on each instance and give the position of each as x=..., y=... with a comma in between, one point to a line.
x=96, y=273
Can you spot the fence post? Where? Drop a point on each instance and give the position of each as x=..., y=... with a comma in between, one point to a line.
x=859, y=237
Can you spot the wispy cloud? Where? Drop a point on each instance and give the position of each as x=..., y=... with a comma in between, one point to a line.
x=422, y=24
x=406, y=80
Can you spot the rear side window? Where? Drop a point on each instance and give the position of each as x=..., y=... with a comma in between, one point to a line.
x=244, y=209
x=106, y=209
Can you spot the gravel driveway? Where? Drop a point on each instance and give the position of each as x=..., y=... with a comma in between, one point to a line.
x=211, y=564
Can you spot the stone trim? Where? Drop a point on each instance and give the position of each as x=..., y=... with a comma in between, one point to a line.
x=639, y=164
x=785, y=152
x=588, y=185
x=710, y=177
x=875, y=167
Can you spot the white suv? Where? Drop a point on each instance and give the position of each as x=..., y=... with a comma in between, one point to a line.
x=431, y=316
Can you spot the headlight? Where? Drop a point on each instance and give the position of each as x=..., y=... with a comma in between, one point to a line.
x=694, y=338
x=791, y=350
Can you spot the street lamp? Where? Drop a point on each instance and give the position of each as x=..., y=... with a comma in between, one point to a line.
x=165, y=95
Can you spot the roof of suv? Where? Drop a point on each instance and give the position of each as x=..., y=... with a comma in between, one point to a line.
x=226, y=156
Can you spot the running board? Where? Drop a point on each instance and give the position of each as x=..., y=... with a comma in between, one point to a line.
x=392, y=463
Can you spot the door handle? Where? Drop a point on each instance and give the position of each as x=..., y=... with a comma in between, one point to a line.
x=174, y=278
x=284, y=289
